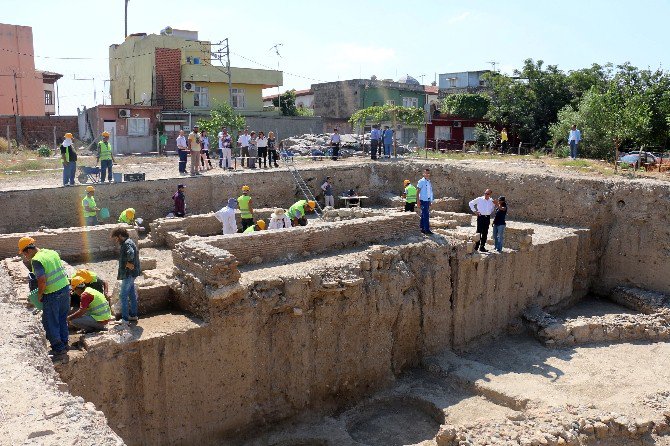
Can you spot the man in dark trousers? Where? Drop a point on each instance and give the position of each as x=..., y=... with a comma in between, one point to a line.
x=483, y=207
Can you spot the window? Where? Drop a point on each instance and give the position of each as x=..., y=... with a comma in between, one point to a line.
x=138, y=126
x=390, y=102
x=443, y=132
x=410, y=102
x=452, y=82
x=48, y=97
x=469, y=134
x=201, y=97
x=239, y=100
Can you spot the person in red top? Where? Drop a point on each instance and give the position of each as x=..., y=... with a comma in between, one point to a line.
x=179, y=202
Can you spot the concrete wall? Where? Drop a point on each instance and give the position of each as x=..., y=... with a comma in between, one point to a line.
x=285, y=126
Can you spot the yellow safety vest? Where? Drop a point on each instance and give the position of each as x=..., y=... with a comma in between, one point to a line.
x=410, y=192
x=105, y=150
x=123, y=218
x=90, y=202
x=297, y=206
x=53, y=270
x=243, y=201
x=98, y=309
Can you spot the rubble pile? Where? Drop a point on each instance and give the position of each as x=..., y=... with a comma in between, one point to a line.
x=306, y=144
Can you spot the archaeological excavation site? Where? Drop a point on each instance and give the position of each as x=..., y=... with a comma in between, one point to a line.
x=356, y=329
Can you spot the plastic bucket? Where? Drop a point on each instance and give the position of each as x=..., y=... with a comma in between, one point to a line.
x=118, y=177
x=104, y=213
x=32, y=297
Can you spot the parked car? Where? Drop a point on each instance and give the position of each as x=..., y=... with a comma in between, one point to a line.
x=633, y=158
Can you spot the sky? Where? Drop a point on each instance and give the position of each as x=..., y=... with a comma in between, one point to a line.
x=346, y=39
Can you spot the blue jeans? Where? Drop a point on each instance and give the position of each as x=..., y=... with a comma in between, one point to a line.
x=183, y=159
x=573, y=149
x=54, y=318
x=425, y=216
x=128, y=291
x=498, y=234
x=106, y=167
x=91, y=221
x=387, y=149
x=69, y=169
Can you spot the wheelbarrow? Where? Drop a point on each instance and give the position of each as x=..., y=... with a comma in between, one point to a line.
x=89, y=174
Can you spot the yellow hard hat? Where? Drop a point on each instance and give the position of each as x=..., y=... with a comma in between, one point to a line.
x=261, y=224
x=105, y=134
x=68, y=135
x=130, y=212
x=90, y=189
x=76, y=281
x=24, y=242
x=84, y=274
x=311, y=203
x=246, y=188
x=406, y=182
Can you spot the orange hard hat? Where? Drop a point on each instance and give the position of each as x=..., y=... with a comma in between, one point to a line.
x=25, y=242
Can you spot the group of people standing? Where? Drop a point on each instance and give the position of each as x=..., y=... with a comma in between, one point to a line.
x=251, y=147
x=381, y=140
x=483, y=207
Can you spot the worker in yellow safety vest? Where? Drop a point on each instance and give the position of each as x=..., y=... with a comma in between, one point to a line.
x=90, y=208
x=105, y=157
x=53, y=291
x=409, y=195
x=94, y=311
x=259, y=226
x=69, y=159
x=298, y=211
x=246, y=208
x=127, y=216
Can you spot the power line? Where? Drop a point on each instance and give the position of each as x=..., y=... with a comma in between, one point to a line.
x=271, y=68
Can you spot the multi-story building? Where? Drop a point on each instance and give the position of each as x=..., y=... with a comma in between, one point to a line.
x=337, y=101
x=175, y=71
x=24, y=90
x=462, y=82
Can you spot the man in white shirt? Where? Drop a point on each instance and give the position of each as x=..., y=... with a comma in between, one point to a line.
x=226, y=216
x=182, y=150
x=243, y=142
x=425, y=194
x=574, y=138
x=225, y=154
x=335, y=143
x=483, y=207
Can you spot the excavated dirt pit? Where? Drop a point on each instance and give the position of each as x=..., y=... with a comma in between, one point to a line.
x=358, y=330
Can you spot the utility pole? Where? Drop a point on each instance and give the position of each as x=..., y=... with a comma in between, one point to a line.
x=17, y=117
x=276, y=48
x=126, y=20
x=230, y=78
x=493, y=65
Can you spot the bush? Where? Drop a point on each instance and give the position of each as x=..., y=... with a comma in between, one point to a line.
x=562, y=152
x=537, y=154
x=44, y=151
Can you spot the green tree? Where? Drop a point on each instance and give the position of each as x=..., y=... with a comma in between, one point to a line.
x=222, y=115
x=607, y=121
x=287, y=104
x=410, y=116
x=466, y=105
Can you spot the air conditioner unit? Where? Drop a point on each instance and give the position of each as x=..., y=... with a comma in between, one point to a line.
x=189, y=86
x=124, y=113
x=457, y=123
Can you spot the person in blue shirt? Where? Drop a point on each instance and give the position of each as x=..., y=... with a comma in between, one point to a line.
x=375, y=140
x=425, y=193
x=387, y=136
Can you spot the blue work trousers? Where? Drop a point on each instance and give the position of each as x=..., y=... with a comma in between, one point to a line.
x=183, y=159
x=106, y=170
x=498, y=234
x=425, y=216
x=128, y=293
x=54, y=318
x=69, y=169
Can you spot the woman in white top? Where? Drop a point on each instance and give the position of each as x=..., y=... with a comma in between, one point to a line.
x=262, y=143
x=279, y=220
x=204, y=151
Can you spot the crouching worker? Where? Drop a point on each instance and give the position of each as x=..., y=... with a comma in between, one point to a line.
x=94, y=312
x=259, y=226
x=92, y=280
x=298, y=211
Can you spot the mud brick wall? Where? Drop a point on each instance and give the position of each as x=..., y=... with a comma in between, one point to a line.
x=39, y=129
x=321, y=237
x=71, y=244
x=212, y=265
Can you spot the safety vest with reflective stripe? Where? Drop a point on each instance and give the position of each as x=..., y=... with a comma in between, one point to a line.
x=90, y=202
x=53, y=270
x=251, y=228
x=105, y=150
x=243, y=201
x=410, y=192
x=297, y=206
x=98, y=309
x=123, y=218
